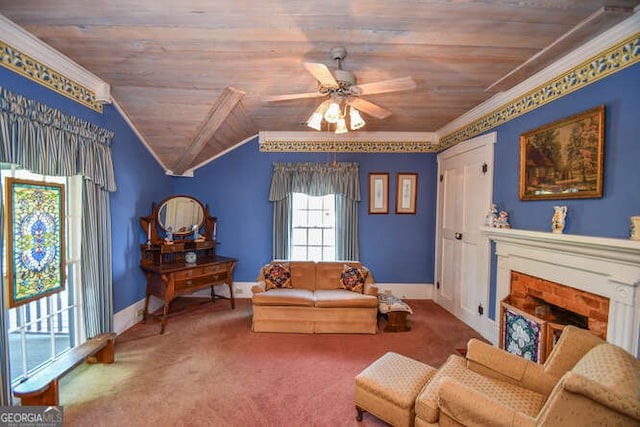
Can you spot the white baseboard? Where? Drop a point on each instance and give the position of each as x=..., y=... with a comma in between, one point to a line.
x=492, y=332
x=127, y=317
x=408, y=290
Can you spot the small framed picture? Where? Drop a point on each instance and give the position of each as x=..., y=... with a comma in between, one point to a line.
x=406, y=193
x=379, y=193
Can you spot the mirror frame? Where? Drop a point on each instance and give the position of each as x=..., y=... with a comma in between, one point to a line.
x=168, y=199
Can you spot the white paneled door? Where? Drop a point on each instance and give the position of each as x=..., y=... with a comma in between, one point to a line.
x=462, y=253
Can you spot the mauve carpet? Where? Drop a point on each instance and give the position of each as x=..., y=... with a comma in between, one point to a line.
x=209, y=369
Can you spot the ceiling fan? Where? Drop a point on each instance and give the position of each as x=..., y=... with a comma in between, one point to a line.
x=343, y=93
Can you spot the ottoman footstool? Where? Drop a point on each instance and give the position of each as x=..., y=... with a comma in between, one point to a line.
x=389, y=386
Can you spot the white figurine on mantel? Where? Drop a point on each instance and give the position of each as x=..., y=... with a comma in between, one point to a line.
x=491, y=217
x=635, y=228
x=502, y=221
x=558, y=220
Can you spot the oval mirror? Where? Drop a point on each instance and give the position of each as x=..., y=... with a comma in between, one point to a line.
x=180, y=213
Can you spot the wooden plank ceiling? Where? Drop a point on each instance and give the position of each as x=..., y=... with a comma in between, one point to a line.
x=192, y=75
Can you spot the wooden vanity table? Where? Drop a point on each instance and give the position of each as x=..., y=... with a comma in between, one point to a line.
x=182, y=265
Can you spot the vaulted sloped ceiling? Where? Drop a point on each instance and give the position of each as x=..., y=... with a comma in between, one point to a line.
x=191, y=75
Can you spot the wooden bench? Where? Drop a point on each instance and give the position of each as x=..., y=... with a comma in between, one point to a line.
x=41, y=389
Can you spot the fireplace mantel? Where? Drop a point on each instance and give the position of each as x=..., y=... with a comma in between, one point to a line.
x=603, y=266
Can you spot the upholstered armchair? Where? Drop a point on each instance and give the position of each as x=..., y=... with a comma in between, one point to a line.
x=585, y=381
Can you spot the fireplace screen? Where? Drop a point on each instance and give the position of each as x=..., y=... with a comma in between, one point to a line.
x=522, y=334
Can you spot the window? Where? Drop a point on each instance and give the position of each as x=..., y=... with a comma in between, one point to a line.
x=42, y=330
x=313, y=223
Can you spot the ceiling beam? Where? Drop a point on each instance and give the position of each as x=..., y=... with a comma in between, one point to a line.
x=225, y=104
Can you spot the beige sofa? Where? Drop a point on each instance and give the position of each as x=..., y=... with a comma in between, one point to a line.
x=314, y=303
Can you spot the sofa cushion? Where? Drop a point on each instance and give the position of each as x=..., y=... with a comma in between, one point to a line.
x=610, y=376
x=326, y=298
x=509, y=395
x=277, y=275
x=352, y=279
x=303, y=274
x=328, y=273
x=284, y=296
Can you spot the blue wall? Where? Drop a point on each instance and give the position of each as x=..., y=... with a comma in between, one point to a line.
x=141, y=181
x=397, y=248
x=139, y=178
x=607, y=216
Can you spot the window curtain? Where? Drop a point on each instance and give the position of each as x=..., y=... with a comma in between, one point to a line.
x=317, y=179
x=46, y=141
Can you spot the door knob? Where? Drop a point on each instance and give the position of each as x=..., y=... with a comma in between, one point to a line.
x=458, y=236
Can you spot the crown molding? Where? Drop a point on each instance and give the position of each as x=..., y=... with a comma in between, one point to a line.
x=43, y=64
x=361, y=142
x=490, y=113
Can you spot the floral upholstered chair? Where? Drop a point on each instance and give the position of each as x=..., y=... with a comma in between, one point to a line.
x=585, y=381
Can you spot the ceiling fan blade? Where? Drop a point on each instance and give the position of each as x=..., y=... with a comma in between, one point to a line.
x=275, y=98
x=369, y=108
x=384, y=86
x=321, y=73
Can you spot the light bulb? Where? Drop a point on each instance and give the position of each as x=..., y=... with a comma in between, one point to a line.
x=315, y=121
x=333, y=113
x=341, y=126
x=356, y=119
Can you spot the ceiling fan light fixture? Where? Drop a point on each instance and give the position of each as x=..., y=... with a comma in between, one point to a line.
x=341, y=126
x=315, y=121
x=356, y=119
x=332, y=114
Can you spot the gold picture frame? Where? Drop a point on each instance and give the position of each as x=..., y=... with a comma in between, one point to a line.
x=379, y=193
x=406, y=193
x=35, y=239
x=564, y=159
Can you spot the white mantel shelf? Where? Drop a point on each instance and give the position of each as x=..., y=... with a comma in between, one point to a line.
x=602, y=247
x=600, y=265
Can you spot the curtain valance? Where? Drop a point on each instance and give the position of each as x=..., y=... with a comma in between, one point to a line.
x=47, y=141
x=315, y=179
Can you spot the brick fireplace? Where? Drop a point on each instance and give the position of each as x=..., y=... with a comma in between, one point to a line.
x=559, y=302
x=598, y=278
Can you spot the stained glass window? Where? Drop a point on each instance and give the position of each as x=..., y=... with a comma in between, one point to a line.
x=35, y=239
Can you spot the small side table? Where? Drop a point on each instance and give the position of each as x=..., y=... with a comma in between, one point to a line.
x=396, y=311
x=397, y=321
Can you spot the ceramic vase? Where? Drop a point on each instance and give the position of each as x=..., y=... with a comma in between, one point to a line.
x=558, y=220
x=635, y=228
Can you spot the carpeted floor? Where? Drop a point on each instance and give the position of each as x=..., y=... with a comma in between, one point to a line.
x=209, y=369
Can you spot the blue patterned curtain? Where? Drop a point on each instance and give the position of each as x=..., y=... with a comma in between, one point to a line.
x=317, y=179
x=46, y=141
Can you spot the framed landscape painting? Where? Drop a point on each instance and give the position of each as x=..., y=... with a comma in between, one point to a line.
x=564, y=159
x=35, y=240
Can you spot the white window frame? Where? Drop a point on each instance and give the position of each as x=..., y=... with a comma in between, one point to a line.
x=42, y=311
x=328, y=207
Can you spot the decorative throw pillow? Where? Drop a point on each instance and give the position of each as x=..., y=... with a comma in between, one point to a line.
x=277, y=276
x=352, y=279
